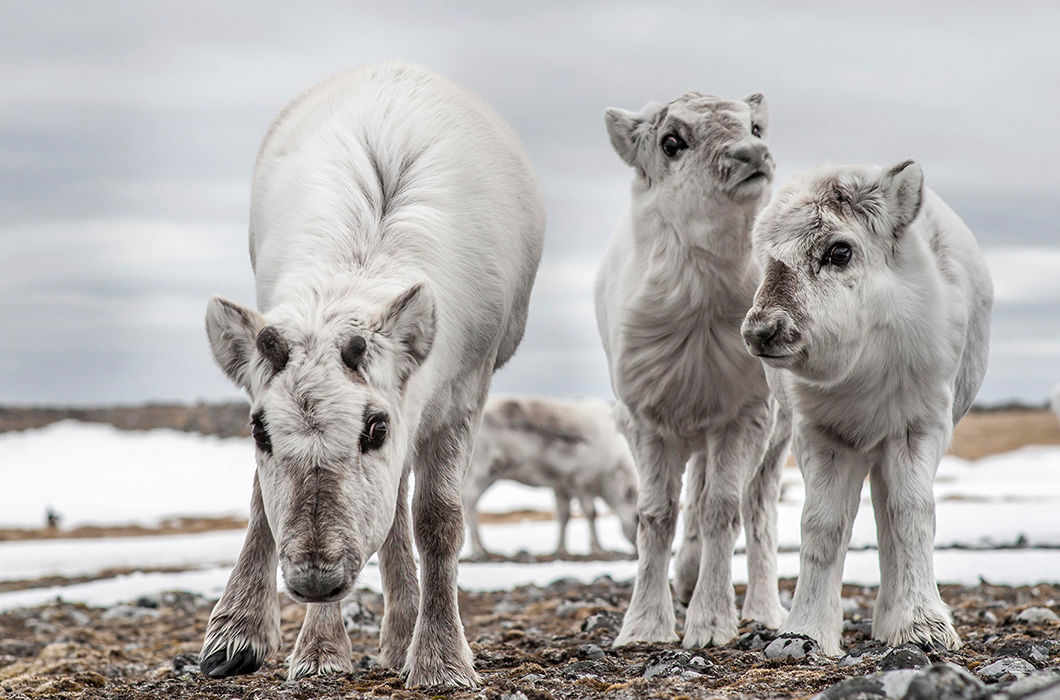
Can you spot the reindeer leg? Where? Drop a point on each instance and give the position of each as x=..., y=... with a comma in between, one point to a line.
x=323, y=646
x=439, y=654
x=909, y=607
x=686, y=565
x=244, y=627
x=733, y=452
x=660, y=462
x=563, y=516
x=760, y=527
x=471, y=493
x=834, y=476
x=589, y=511
x=401, y=589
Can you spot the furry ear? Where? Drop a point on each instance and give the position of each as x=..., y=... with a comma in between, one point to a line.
x=233, y=331
x=759, y=109
x=630, y=132
x=409, y=320
x=903, y=192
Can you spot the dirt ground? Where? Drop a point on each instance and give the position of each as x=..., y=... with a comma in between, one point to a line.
x=550, y=642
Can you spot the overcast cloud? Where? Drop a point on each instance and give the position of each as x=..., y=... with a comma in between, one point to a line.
x=128, y=133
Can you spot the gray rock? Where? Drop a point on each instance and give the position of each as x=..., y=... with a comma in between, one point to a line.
x=673, y=663
x=698, y=663
x=792, y=647
x=1037, y=616
x=860, y=625
x=186, y=664
x=601, y=620
x=887, y=684
x=758, y=638
x=593, y=652
x=517, y=695
x=1006, y=668
x=905, y=656
x=567, y=608
x=1029, y=685
x=129, y=613
x=988, y=617
x=359, y=618
x=564, y=584
x=857, y=656
x=506, y=606
x=691, y=675
x=580, y=668
x=1035, y=653
x=532, y=678
x=19, y=648
x=943, y=682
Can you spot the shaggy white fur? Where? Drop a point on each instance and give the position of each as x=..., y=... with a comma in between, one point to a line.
x=873, y=321
x=672, y=290
x=569, y=446
x=395, y=231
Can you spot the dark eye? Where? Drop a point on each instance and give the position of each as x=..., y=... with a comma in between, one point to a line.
x=375, y=431
x=672, y=144
x=756, y=131
x=261, y=436
x=838, y=255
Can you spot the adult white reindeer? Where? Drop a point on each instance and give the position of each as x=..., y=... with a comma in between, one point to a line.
x=873, y=321
x=673, y=288
x=395, y=231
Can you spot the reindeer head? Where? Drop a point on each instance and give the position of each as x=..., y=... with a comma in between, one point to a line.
x=326, y=382
x=836, y=263
x=698, y=148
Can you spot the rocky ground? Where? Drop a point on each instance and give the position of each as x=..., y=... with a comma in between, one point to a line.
x=535, y=642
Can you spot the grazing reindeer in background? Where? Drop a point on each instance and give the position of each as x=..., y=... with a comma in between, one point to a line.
x=873, y=322
x=395, y=231
x=569, y=446
x=673, y=288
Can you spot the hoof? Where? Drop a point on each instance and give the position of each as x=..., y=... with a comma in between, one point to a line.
x=456, y=674
x=219, y=664
x=714, y=634
x=319, y=664
x=660, y=631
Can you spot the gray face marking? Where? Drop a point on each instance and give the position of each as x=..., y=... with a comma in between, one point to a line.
x=780, y=289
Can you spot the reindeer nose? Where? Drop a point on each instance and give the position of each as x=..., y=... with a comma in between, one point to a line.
x=317, y=582
x=761, y=334
x=750, y=153
x=764, y=331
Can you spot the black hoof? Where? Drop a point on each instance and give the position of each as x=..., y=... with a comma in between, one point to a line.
x=217, y=665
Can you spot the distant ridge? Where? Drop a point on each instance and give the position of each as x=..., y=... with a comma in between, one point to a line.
x=220, y=419
x=229, y=419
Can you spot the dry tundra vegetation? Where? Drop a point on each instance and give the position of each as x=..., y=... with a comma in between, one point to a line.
x=544, y=642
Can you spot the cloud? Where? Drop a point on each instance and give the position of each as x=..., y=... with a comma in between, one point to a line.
x=1025, y=274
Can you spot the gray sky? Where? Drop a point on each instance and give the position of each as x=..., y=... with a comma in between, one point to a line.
x=128, y=133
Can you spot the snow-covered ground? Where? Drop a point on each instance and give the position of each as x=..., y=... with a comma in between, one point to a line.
x=99, y=475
